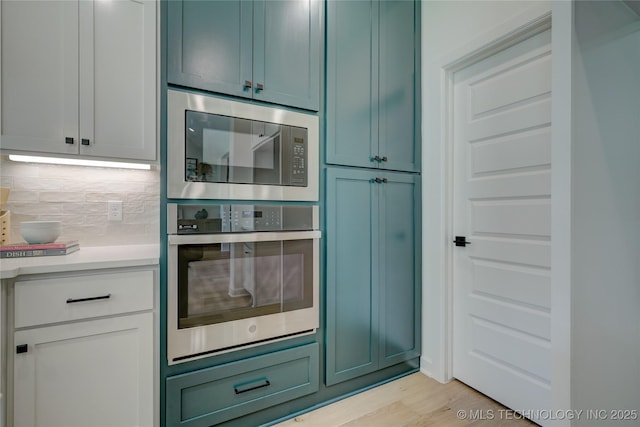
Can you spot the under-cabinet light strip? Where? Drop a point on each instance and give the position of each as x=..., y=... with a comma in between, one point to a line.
x=78, y=162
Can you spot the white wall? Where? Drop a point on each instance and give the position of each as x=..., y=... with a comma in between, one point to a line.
x=449, y=30
x=77, y=196
x=604, y=234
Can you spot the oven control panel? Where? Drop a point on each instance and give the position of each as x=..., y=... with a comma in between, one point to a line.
x=212, y=219
x=253, y=218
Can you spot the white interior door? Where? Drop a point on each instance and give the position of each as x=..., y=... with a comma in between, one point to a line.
x=502, y=186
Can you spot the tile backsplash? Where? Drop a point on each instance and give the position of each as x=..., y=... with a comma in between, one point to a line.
x=78, y=195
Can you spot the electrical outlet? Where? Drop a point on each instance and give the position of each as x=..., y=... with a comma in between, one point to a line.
x=114, y=210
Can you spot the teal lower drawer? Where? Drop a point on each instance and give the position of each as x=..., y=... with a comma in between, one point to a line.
x=214, y=395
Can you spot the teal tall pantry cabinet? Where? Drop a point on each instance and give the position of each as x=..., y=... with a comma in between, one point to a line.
x=372, y=187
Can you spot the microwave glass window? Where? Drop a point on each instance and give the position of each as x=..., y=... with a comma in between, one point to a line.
x=224, y=149
x=229, y=281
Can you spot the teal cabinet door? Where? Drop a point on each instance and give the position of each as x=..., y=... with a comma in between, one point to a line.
x=209, y=45
x=398, y=97
x=373, y=83
x=286, y=52
x=399, y=272
x=373, y=275
x=352, y=288
x=262, y=49
x=352, y=115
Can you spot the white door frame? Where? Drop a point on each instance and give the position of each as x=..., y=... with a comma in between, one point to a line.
x=531, y=21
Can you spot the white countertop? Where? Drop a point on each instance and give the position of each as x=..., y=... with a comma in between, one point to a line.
x=87, y=258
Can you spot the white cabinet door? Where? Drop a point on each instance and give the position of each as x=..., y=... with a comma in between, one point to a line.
x=93, y=373
x=40, y=76
x=79, y=77
x=118, y=79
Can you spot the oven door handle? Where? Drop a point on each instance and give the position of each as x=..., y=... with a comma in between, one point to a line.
x=205, y=239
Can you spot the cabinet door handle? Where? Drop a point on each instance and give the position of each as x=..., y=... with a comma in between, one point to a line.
x=68, y=140
x=376, y=159
x=259, y=87
x=22, y=348
x=85, y=141
x=385, y=180
x=74, y=300
x=384, y=159
x=239, y=389
x=247, y=84
x=378, y=180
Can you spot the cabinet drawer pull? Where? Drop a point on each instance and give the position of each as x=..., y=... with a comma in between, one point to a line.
x=259, y=87
x=247, y=84
x=68, y=140
x=239, y=389
x=85, y=141
x=72, y=300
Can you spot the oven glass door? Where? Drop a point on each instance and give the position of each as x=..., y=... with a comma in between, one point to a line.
x=223, y=282
x=223, y=149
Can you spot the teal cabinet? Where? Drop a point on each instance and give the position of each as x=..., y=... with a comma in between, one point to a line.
x=373, y=84
x=214, y=395
x=263, y=50
x=372, y=279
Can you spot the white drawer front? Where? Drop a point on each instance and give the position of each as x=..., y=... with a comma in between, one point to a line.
x=61, y=299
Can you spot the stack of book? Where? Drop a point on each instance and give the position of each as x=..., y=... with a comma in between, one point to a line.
x=19, y=250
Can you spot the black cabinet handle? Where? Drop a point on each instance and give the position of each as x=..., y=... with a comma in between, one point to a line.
x=68, y=140
x=22, y=348
x=376, y=159
x=247, y=84
x=384, y=159
x=72, y=300
x=259, y=87
x=239, y=389
x=85, y=141
x=385, y=180
x=378, y=180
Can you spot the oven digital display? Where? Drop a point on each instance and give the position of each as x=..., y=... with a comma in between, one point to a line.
x=251, y=214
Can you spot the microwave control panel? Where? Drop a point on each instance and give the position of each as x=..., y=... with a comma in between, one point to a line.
x=298, y=157
x=298, y=171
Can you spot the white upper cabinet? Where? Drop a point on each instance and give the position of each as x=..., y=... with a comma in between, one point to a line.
x=79, y=78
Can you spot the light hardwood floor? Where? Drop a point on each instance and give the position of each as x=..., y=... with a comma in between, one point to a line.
x=413, y=401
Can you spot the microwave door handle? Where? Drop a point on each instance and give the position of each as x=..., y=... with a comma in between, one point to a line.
x=204, y=239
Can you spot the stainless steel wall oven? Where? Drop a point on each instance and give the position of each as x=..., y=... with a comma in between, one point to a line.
x=239, y=275
x=223, y=149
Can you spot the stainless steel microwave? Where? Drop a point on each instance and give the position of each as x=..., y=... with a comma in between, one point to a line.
x=229, y=150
